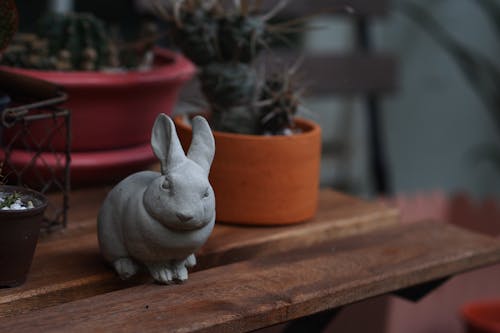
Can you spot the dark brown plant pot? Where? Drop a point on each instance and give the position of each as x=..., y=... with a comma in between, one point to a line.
x=19, y=231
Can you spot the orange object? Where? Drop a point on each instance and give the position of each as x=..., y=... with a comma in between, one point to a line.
x=482, y=317
x=264, y=180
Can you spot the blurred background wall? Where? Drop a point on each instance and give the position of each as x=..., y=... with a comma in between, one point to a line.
x=435, y=124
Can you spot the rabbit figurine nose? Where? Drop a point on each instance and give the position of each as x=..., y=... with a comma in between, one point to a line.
x=184, y=218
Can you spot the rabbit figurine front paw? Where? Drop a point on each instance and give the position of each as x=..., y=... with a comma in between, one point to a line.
x=159, y=220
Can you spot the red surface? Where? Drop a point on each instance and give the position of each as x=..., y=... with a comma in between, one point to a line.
x=87, y=168
x=482, y=317
x=115, y=110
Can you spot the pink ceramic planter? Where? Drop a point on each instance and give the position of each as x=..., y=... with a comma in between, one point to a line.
x=115, y=110
x=112, y=117
x=87, y=168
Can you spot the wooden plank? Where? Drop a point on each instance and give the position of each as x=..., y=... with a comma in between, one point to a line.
x=361, y=7
x=331, y=73
x=67, y=265
x=272, y=289
x=352, y=74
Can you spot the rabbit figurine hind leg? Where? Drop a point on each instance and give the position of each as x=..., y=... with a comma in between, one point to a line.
x=171, y=272
x=112, y=245
x=125, y=267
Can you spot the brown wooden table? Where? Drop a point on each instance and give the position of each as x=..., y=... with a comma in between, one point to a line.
x=247, y=278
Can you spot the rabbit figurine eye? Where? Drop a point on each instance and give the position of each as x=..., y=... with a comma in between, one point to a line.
x=165, y=185
x=206, y=194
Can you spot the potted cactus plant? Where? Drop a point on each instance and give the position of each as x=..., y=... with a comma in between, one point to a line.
x=266, y=167
x=21, y=214
x=115, y=90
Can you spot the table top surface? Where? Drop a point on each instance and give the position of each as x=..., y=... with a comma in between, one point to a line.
x=246, y=278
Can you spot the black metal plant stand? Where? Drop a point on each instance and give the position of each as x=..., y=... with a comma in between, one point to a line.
x=29, y=155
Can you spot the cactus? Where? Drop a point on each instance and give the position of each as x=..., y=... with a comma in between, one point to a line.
x=76, y=41
x=228, y=84
x=242, y=37
x=224, y=42
x=28, y=51
x=194, y=30
x=206, y=32
x=8, y=22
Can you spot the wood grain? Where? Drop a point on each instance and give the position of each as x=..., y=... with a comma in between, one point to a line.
x=67, y=264
x=272, y=289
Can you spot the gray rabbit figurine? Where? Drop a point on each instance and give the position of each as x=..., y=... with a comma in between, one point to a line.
x=159, y=220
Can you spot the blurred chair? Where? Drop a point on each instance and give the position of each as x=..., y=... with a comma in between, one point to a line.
x=440, y=310
x=361, y=72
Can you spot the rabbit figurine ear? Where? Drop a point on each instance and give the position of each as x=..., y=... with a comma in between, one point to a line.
x=202, y=149
x=165, y=144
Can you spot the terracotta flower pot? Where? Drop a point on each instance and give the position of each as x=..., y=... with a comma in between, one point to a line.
x=482, y=317
x=264, y=180
x=19, y=231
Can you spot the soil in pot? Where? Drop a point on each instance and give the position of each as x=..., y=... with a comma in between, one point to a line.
x=264, y=180
x=19, y=230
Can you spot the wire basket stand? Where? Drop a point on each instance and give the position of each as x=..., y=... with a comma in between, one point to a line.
x=30, y=158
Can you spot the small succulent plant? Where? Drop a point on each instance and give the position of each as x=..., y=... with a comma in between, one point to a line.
x=224, y=42
x=10, y=200
x=76, y=41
